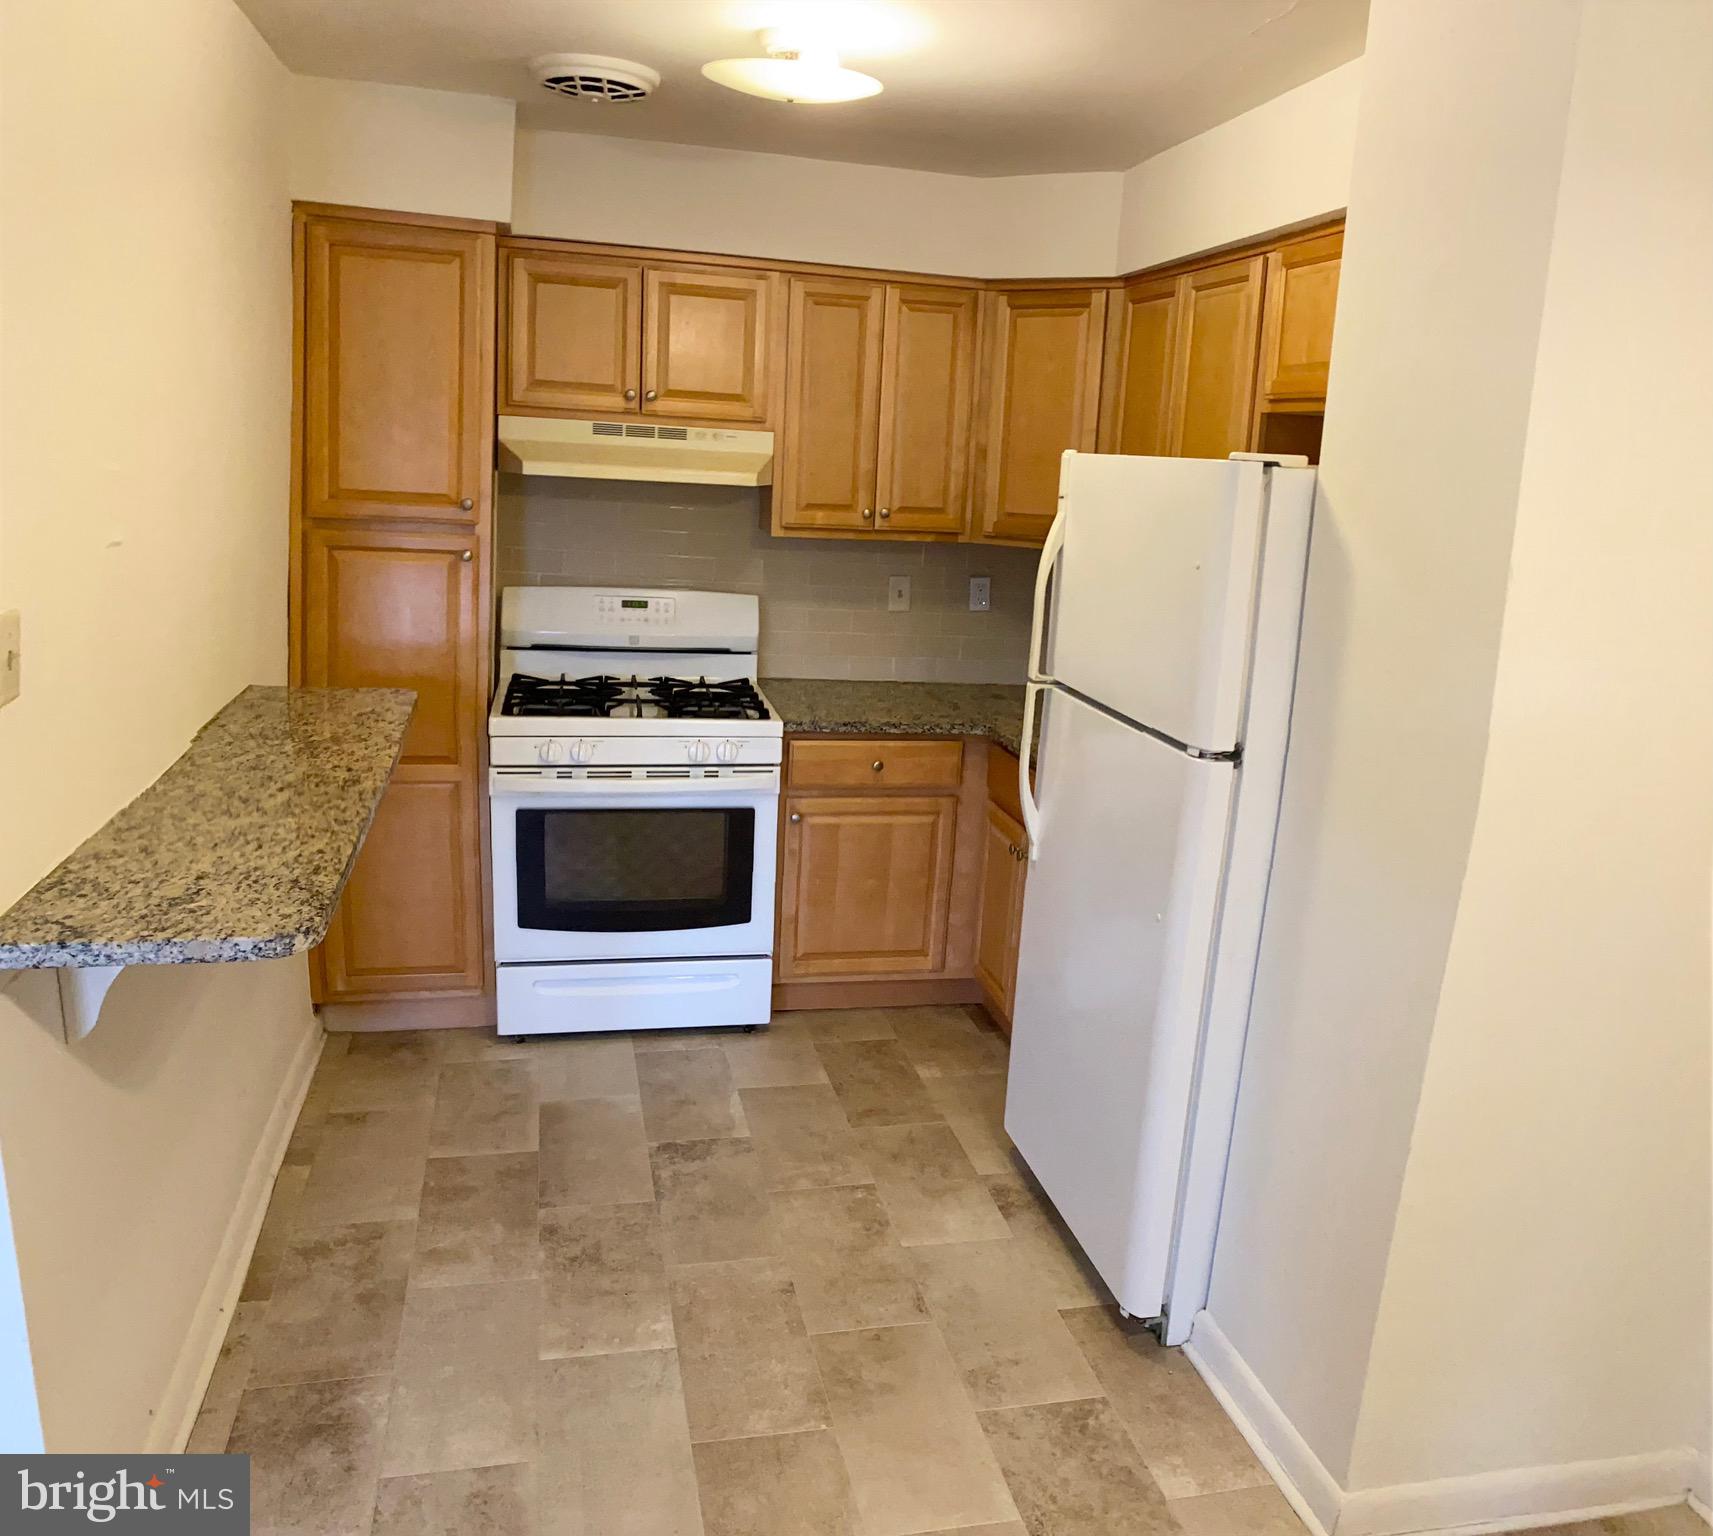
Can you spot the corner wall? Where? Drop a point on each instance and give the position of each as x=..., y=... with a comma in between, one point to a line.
x=145, y=377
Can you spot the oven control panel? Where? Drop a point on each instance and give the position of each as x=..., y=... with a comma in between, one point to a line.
x=614, y=609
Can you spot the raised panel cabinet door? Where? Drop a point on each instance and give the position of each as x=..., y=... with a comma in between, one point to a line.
x=410, y=918
x=1002, y=875
x=1043, y=382
x=1219, y=330
x=1296, y=334
x=707, y=338
x=927, y=390
x=387, y=608
x=397, y=370
x=1136, y=398
x=573, y=334
x=865, y=884
x=832, y=405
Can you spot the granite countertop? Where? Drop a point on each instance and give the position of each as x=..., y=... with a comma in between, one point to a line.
x=237, y=852
x=993, y=710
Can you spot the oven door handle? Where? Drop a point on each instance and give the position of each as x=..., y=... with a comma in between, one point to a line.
x=527, y=785
x=651, y=986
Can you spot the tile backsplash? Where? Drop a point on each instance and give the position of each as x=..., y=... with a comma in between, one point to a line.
x=823, y=601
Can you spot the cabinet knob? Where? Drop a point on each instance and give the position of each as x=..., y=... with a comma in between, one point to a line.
x=796, y=815
x=886, y=511
x=467, y=503
x=651, y=395
x=868, y=512
x=466, y=555
x=877, y=765
x=630, y=394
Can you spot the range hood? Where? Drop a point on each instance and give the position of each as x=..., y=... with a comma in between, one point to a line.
x=634, y=450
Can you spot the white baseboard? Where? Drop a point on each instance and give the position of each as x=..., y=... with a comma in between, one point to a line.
x=171, y=1425
x=1459, y=1506
x=1313, y=1492
x=1701, y=1489
x=1700, y=1506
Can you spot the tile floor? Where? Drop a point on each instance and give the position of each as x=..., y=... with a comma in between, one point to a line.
x=792, y=1283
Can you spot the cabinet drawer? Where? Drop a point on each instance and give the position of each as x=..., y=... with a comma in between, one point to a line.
x=881, y=762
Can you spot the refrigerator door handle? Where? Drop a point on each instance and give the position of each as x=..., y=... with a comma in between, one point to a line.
x=1025, y=791
x=1050, y=548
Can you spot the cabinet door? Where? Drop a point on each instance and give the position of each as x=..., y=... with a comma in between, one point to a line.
x=927, y=384
x=397, y=370
x=1141, y=348
x=573, y=334
x=1296, y=336
x=1043, y=383
x=389, y=609
x=385, y=608
x=707, y=343
x=1002, y=875
x=832, y=405
x=865, y=885
x=1219, y=331
x=410, y=919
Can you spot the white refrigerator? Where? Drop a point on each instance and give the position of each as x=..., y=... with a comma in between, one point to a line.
x=1168, y=607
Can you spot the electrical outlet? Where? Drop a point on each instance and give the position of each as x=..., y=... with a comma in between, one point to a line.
x=898, y=594
x=981, y=593
x=11, y=657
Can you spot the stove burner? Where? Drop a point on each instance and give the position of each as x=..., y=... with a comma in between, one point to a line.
x=605, y=697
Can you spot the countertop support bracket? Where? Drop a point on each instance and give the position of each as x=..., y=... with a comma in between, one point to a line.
x=82, y=990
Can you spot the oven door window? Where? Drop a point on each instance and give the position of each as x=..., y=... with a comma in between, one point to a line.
x=641, y=871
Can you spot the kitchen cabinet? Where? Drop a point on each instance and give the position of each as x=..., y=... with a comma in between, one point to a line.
x=396, y=407
x=1004, y=872
x=880, y=382
x=586, y=335
x=1219, y=331
x=391, y=540
x=1296, y=337
x=1042, y=382
x=1137, y=400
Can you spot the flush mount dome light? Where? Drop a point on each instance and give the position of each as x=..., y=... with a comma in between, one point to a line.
x=795, y=69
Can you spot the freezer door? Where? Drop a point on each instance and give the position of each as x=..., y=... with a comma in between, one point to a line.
x=1118, y=922
x=1153, y=600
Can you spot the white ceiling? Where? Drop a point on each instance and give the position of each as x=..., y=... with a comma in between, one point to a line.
x=975, y=87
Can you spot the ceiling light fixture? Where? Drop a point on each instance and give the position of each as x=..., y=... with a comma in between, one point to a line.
x=795, y=69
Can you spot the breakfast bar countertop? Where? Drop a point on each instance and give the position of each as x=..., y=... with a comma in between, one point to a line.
x=881, y=708
x=239, y=851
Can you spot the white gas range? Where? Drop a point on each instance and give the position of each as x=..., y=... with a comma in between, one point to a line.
x=634, y=779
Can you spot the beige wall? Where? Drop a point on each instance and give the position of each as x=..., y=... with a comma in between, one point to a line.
x=1284, y=162
x=586, y=187
x=1547, y=1298
x=144, y=407
x=823, y=601
x=396, y=147
x=1459, y=141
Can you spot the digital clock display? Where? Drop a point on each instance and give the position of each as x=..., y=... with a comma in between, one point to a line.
x=633, y=602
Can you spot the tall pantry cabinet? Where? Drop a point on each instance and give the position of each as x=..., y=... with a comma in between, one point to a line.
x=391, y=569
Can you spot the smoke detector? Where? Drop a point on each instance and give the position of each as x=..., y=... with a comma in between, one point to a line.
x=593, y=77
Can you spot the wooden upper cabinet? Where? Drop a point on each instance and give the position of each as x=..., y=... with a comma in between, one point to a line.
x=708, y=343
x=573, y=334
x=1219, y=331
x=927, y=395
x=390, y=608
x=1043, y=384
x=832, y=405
x=1296, y=338
x=397, y=370
x=865, y=885
x=1136, y=413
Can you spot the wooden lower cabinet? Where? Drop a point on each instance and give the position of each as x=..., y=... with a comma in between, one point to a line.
x=1004, y=863
x=865, y=885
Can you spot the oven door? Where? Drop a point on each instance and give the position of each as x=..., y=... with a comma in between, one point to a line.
x=603, y=872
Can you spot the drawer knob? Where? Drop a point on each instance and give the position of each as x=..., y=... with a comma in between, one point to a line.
x=652, y=394
x=796, y=815
x=886, y=511
x=467, y=503
x=868, y=512
x=466, y=555
x=877, y=765
x=630, y=394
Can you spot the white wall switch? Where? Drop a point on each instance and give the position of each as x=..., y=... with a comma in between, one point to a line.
x=981, y=593
x=11, y=657
x=898, y=594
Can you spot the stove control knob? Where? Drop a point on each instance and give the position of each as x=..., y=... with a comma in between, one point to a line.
x=698, y=751
x=550, y=751
x=727, y=751
x=582, y=751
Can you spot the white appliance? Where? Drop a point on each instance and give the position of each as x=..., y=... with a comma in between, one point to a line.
x=1163, y=679
x=634, y=784
x=634, y=450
